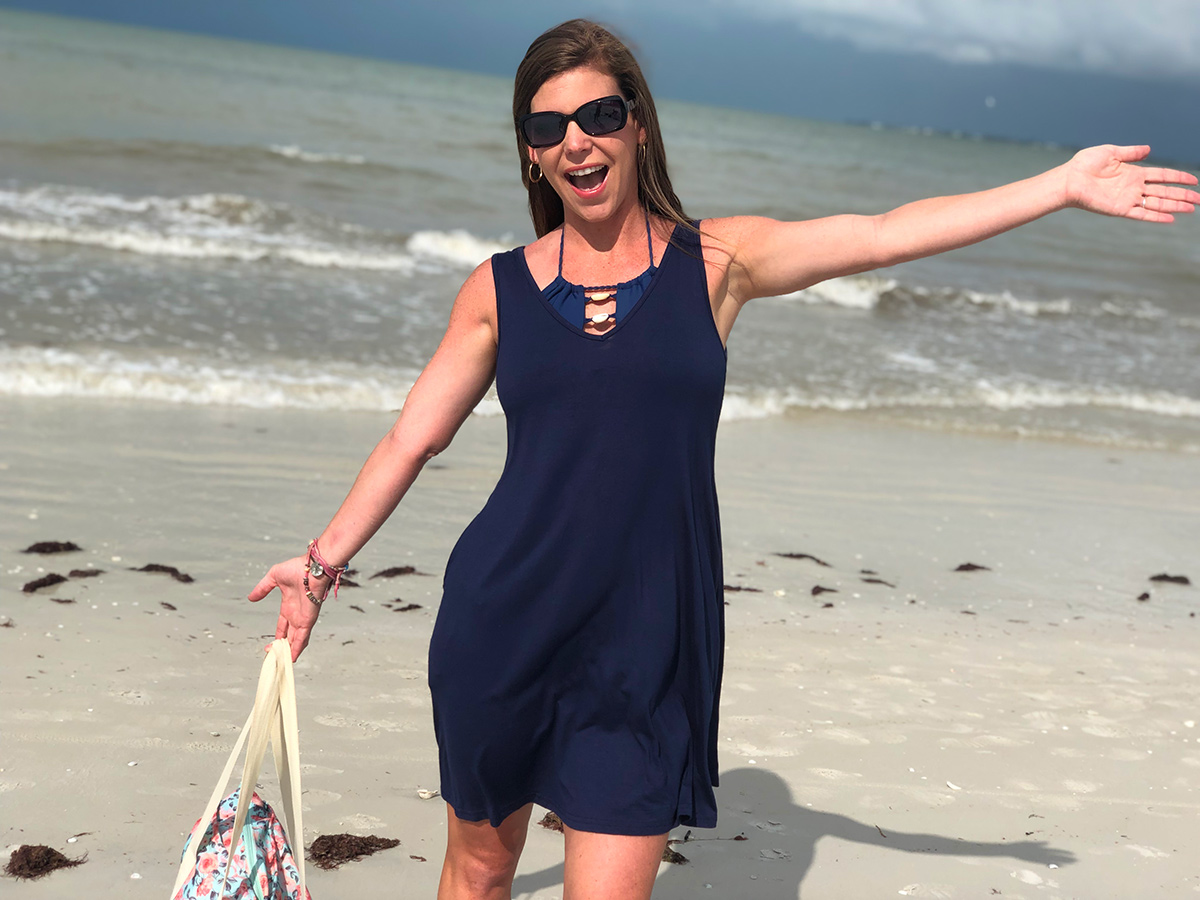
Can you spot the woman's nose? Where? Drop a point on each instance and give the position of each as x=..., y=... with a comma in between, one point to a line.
x=576, y=138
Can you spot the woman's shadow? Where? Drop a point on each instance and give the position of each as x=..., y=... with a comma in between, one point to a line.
x=758, y=804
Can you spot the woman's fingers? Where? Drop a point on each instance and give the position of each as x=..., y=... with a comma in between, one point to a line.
x=1131, y=153
x=1164, y=204
x=264, y=587
x=1170, y=193
x=298, y=640
x=1155, y=175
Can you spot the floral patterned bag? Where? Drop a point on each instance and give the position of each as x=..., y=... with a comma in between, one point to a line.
x=261, y=865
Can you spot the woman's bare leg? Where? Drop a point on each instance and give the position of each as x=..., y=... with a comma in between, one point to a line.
x=610, y=866
x=481, y=860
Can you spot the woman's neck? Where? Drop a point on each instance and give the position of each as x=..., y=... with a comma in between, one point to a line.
x=616, y=231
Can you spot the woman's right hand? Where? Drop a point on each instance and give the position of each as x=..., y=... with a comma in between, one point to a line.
x=297, y=614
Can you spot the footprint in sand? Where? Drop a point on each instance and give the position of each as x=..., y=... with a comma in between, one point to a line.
x=137, y=697
x=314, y=769
x=1148, y=852
x=315, y=798
x=1125, y=755
x=1028, y=876
x=980, y=742
x=205, y=747
x=842, y=736
x=926, y=890
x=835, y=774
x=362, y=822
x=1103, y=731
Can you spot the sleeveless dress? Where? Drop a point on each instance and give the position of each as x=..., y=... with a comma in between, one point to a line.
x=576, y=658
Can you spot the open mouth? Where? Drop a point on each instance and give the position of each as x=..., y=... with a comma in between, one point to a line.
x=588, y=179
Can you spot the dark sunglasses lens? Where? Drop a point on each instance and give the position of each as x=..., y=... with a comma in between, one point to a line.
x=602, y=116
x=544, y=129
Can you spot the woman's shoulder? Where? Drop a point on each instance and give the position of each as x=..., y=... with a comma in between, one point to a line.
x=541, y=256
x=719, y=237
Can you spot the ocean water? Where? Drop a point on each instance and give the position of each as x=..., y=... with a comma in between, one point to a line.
x=197, y=221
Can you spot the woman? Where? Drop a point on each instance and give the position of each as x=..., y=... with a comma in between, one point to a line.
x=576, y=659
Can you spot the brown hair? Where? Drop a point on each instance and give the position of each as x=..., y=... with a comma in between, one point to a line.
x=572, y=45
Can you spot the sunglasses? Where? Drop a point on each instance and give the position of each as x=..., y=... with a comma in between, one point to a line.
x=596, y=117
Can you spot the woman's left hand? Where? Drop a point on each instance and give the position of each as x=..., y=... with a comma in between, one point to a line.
x=1104, y=180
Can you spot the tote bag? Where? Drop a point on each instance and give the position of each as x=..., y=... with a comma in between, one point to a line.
x=238, y=848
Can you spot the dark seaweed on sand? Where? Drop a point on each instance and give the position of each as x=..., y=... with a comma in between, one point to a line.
x=408, y=607
x=819, y=562
x=166, y=570
x=1143, y=596
x=31, y=861
x=876, y=581
x=331, y=850
x=346, y=582
x=819, y=589
x=61, y=600
x=551, y=822
x=394, y=571
x=165, y=605
x=735, y=588
x=84, y=573
x=1171, y=579
x=971, y=567
x=52, y=547
x=45, y=581
x=674, y=857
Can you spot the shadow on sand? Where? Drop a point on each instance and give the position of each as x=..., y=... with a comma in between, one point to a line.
x=783, y=837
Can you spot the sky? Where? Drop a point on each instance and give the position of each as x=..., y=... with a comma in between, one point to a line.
x=1071, y=72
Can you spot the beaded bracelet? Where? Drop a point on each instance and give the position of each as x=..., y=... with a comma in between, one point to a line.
x=315, y=565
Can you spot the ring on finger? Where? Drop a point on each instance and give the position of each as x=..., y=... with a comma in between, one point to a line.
x=1143, y=201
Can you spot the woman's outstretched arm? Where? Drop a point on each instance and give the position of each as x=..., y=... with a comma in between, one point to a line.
x=768, y=258
x=453, y=382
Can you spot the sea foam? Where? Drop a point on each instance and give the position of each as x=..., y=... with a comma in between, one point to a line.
x=290, y=151
x=226, y=226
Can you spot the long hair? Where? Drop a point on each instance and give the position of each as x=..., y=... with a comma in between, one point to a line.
x=572, y=45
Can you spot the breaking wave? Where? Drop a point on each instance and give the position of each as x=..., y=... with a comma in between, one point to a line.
x=761, y=404
x=226, y=226
x=289, y=151
x=50, y=372
x=871, y=292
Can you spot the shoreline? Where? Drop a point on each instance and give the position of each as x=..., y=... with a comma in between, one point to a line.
x=989, y=724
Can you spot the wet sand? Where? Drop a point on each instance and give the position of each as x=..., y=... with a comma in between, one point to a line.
x=1027, y=728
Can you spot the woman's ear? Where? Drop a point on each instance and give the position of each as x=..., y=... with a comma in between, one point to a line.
x=532, y=154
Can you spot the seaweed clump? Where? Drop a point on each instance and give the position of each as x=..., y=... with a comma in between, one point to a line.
x=331, y=850
x=30, y=861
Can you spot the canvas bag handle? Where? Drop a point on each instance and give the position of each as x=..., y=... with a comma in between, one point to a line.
x=273, y=718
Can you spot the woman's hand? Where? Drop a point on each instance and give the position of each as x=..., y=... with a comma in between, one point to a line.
x=1103, y=180
x=297, y=614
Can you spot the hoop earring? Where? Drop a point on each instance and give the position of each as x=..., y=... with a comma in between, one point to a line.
x=532, y=166
x=641, y=154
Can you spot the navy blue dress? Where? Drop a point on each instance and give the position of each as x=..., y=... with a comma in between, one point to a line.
x=576, y=659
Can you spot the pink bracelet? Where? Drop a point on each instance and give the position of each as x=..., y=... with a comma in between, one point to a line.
x=316, y=565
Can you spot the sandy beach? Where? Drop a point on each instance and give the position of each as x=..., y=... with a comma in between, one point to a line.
x=1027, y=729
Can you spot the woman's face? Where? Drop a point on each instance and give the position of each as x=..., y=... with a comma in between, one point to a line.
x=596, y=177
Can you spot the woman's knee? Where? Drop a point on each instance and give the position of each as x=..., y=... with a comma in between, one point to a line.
x=482, y=855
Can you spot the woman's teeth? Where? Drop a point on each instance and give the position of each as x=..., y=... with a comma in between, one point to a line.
x=588, y=179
